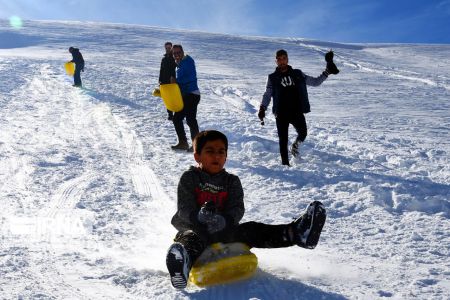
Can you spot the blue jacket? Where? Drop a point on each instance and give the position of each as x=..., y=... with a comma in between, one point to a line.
x=301, y=80
x=187, y=76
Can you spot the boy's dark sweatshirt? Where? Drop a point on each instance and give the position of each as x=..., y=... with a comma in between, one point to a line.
x=197, y=187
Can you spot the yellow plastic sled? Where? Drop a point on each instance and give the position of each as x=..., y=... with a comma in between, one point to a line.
x=70, y=68
x=171, y=95
x=223, y=263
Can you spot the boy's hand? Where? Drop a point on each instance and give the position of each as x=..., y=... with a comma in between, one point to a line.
x=216, y=223
x=206, y=212
x=207, y=215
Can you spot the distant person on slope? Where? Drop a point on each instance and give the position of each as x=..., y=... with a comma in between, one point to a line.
x=78, y=60
x=211, y=205
x=167, y=70
x=287, y=87
x=186, y=77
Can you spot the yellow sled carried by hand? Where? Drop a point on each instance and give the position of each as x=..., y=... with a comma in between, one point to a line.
x=223, y=263
x=171, y=95
x=70, y=68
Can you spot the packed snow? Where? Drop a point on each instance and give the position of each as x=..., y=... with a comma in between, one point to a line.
x=88, y=179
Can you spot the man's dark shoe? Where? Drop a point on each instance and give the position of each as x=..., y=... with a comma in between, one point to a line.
x=331, y=67
x=295, y=147
x=182, y=145
x=329, y=56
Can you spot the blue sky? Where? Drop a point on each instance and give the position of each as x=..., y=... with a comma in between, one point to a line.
x=404, y=21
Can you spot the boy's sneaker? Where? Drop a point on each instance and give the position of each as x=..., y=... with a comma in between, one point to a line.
x=308, y=227
x=178, y=264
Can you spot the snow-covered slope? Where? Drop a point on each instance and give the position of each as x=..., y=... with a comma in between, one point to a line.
x=88, y=180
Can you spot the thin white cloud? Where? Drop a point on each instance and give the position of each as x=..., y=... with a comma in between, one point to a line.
x=343, y=20
x=327, y=20
x=213, y=16
x=444, y=6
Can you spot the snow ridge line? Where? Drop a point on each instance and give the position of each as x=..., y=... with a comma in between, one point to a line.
x=362, y=67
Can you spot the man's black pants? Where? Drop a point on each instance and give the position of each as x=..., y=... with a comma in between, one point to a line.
x=189, y=112
x=299, y=123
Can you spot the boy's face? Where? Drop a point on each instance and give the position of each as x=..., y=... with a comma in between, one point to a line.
x=213, y=157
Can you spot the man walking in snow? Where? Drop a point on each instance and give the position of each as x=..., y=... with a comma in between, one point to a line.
x=186, y=77
x=78, y=60
x=287, y=87
x=167, y=70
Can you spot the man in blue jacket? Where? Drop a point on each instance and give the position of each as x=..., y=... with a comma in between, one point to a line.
x=77, y=58
x=287, y=87
x=186, y=77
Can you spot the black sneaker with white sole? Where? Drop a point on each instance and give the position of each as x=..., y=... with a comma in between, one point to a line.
x=179, y=266
x=308, y=227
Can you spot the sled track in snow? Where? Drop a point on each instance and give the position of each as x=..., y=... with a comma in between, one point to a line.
x=52, y=223
x=144, y=180
x=44, y=263
x=238, y=99
x=69, y=194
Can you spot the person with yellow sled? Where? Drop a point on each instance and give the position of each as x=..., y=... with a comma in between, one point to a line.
x=167, y=70
x=78, y=60
x=186, y=78
x=210, y=206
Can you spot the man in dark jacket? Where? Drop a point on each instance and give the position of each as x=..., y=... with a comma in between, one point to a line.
x=77, y=58
x=287, y=87
x=167, y=70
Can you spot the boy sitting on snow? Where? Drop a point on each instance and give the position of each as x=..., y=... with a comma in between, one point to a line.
x=210, y=206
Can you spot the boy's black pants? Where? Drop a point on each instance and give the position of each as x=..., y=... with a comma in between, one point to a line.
x=190, y=103
x=299, y=123
x=254, y=234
